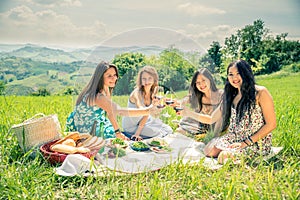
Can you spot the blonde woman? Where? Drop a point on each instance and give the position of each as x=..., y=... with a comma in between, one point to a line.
x=143, y=96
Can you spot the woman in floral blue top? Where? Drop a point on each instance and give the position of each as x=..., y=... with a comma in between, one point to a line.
x=94, y=104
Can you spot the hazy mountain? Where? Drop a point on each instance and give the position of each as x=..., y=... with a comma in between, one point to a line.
x=25, y=68
x=45, y=54
x=10, y=47
x=94, y=54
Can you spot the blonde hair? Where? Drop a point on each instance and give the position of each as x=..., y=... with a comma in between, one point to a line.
x=150, y=70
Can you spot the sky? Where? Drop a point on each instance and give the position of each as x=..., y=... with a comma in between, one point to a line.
x=88, y=23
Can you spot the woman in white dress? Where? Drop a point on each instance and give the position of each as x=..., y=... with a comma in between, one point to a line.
x=142, y=96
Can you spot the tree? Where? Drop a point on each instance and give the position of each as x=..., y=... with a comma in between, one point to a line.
x=251, y=40
x=71, y=91
x=174, y=70
x=215, y=54
x=2, y=87
x=128, y=65
x=247, y=44
x=41, y=92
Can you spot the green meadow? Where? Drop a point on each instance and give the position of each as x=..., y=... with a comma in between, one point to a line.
x=24, y=177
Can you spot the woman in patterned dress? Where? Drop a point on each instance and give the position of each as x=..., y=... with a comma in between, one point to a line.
x=94, y=104
x=248, y=113
x=204, y=97
x=143, y=96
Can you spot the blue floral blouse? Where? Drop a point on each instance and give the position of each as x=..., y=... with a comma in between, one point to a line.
x=83, y=117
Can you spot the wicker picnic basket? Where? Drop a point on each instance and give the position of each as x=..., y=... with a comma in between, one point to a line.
x=56, y=157
x=37, y=130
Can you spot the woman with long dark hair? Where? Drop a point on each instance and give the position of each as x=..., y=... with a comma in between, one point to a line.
x=94, y=104
x=204, y=97
x=248, y=114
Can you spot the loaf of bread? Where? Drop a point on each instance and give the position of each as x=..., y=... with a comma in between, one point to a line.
x=73, y=135
x=62, y=148
x=69, y=142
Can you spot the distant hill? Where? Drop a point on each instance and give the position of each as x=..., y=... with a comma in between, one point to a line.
x=93, y=54
x=45, y=54
x=25, y=68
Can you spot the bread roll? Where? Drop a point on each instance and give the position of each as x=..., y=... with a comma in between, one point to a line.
x=62, y=148
x=72, y=135
x=69, y=142
x=83, y=150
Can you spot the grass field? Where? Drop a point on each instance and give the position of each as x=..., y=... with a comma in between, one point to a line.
x=23, y=177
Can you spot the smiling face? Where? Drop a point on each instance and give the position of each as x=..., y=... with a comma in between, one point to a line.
x=110, y=77
x=147, y=80
x=202, y=83
x=234, y=77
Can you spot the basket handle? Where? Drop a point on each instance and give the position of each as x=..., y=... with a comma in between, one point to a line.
x=36, y=115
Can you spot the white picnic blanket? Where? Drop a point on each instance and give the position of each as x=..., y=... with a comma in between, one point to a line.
x=135, y=162
x=184, y=149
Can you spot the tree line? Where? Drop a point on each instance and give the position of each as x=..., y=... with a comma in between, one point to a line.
x=254, y=43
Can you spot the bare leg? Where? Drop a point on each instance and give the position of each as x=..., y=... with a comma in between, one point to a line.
x=210, y=150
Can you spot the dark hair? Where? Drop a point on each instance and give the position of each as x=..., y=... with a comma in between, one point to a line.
x=150, y=70
x=195, y=94
x=96, y=83
x=248, y=92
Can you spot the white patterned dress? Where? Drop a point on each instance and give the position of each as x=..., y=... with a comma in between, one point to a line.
x=239, y=131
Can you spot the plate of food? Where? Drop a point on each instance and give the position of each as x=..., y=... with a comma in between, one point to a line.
x=157, y=142
x=164, y=149
x=118, y=142
x=139, y=146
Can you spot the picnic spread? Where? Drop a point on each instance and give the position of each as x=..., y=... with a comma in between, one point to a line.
x=86, y=154
x=178, y=148
x=156, y=154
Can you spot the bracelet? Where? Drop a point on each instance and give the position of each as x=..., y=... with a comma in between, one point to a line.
x=251, y=141
x=117, y=131
x=245, y=142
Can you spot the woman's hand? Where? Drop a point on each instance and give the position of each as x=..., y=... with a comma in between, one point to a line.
x=237, y=145
x=122, y=136
x=185, y=111
x=136, y=138
x=154, y=111
x=155, y=102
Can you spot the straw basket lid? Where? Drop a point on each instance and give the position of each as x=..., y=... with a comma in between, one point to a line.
x=37, y=130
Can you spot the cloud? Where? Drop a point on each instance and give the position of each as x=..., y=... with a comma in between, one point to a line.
x=48, y=26
x=54, y=3
x=196, y=9
x=205, y=35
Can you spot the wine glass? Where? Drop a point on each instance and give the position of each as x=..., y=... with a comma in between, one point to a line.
x=179, y=105
x=170, y=101
x=160, y=96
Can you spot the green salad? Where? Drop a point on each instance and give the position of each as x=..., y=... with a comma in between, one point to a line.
x=118, y=141
x=139, y=145
x=155, y=143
